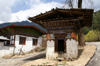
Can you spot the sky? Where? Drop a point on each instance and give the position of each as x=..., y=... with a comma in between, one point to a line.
x=20, y=10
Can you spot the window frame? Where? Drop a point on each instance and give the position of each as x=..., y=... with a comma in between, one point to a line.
x=7, y=43
x=35, y=41
x=12, y=39
x=22, y=39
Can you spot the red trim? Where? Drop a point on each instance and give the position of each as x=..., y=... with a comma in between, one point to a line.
x=23, y=26
x=12, y=28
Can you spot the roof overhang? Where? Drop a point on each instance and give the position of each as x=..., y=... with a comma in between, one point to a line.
x=14, y=32
x=2, y=38
x=83, y=15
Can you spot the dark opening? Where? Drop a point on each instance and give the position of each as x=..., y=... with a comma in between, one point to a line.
x=61, y=45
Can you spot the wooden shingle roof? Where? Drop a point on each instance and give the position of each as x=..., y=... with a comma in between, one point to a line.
x=84, y=16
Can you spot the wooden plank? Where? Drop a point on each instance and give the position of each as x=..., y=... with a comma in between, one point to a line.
x=60, y=23
x=57, y=31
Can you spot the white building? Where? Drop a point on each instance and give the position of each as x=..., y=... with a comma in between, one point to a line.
x=3, y=49
x=22, y=38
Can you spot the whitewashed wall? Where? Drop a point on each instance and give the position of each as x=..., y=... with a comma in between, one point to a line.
x=50, y=54
x=72, y=49
x=39, y=41
x=5, y=50
x=27, y=47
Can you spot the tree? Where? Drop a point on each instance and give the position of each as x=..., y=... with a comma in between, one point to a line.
x=80, y=31
x=78, y=3
x=86, y=30
x=81, y=40
x=96, y=21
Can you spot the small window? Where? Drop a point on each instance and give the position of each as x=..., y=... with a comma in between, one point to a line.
x=12, y=39
x=34, y=42
x=7, y=43
x=22, y=40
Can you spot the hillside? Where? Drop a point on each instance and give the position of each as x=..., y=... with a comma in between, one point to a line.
x=93, y=33
x=21, y=23
x=95, y=23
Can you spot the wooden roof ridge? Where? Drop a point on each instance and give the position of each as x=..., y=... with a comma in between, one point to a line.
x=24, y=26
x=55, y=9
x=58, y=14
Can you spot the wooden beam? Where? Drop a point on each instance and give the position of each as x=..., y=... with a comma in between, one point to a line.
x=60, y=30
x=6, y=30
x=12, y=28
x=60, y=23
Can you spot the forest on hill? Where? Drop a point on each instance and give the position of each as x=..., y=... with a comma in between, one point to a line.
x=93, y=33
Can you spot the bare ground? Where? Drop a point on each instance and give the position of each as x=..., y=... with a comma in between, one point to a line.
x=85, y=54
x=21, y=60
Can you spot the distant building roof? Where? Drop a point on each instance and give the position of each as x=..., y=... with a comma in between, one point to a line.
x=3, y=38
x=27, y=30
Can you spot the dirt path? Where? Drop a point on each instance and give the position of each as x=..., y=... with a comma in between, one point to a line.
x=84, y=55
x=20, y=61
x=95, y=61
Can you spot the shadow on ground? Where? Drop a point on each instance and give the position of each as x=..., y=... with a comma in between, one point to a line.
x=80, y=52
x=43, y=55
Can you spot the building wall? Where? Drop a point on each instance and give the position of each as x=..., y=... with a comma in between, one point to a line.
x=5, y=50
x=71, y=50
x=50, y=54
x=25, y=48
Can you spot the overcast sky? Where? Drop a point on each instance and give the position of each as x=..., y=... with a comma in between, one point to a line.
x=19, y=10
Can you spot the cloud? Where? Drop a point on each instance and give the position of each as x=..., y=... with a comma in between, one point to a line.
x=92, y=4
x=96, y=4
x=5, y=9
x=35, y=9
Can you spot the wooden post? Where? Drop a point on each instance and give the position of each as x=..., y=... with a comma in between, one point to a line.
x=81, y=41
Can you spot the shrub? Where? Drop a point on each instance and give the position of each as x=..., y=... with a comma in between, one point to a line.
x=43, y=49
x=92, y=35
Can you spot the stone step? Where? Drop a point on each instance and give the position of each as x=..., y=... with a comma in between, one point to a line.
x=61, y=55
x=60, y=58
